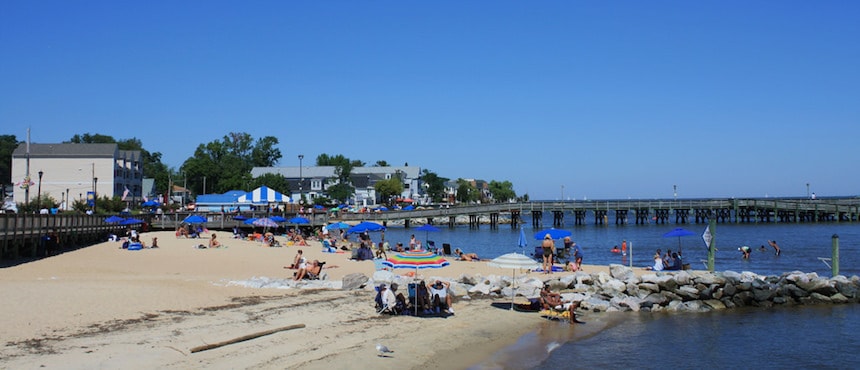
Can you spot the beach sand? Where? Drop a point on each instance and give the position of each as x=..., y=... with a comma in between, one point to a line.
x=105, y=307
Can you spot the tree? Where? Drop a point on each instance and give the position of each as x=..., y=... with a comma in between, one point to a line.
x=502, y=191
x=435, y=185
x=8, y=143
x=340, y=192
x=466, y=192
x=92, y=139
x=273, y=181
x=381, y=164
x=388, y=188
x=227, y=163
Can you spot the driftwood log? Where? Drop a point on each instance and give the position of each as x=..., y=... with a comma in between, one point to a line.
x=245, y=337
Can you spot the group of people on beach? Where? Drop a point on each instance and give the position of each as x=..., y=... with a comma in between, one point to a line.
x=550, y=254
x=431, y=299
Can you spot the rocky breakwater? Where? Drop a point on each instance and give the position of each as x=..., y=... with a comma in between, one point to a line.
x=696, y=291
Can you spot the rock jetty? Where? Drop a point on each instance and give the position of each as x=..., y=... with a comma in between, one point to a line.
x=666, y=291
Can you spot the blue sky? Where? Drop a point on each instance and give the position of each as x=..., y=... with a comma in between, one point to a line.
x=602, y=99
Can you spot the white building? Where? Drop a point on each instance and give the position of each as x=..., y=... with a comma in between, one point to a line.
x=69, y=171
x=316, y=179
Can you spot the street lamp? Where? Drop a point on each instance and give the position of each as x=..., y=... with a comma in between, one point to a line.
x=39, y=192
x=95, y=193
x=807, y=190
x=675, y=191
x=301, y=179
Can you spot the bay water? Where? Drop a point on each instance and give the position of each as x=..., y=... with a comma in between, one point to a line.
x=779, y=337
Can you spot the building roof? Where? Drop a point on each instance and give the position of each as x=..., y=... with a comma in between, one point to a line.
x=411, y=172
x=70, y=150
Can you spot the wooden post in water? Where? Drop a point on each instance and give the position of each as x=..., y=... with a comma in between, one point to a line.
x=835, y=256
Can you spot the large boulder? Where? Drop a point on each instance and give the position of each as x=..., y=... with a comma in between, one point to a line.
x=356, y=281
x=613, y=287
x=682, y=278
x=687, y=293
x=484, y=288
x=707, y=278
x=818, y=285
x=731, y=277
x=621, y=272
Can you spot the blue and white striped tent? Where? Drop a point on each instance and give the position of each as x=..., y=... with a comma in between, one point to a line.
x=263, y=195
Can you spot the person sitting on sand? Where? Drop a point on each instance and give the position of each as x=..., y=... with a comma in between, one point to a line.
x=154, y=242
x=213, y=242
x=553, y=301
x=312, y=271
x=658, y=264
x=466, y=256
x=422, y=297
x=439, y=297
x=298, y=261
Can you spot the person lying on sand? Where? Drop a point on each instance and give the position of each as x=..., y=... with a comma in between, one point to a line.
x=466, y=256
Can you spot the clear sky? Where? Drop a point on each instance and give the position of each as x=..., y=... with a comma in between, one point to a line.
x=586, y=99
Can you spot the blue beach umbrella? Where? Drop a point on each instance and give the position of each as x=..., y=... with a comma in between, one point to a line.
x=299, y=220
x=678, y=232
x=278, y=218
x=521, y=242
x=130, y=221
x=338, y=226
x=553, y=233
x=114, y=219
x=240, y=218
x=365, y=226
x=195, y=219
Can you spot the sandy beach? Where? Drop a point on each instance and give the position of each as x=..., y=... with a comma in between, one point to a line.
x=106, y=307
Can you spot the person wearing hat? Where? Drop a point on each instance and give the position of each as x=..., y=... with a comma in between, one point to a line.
x=439, y=297
x=548, y=248
x=389, y=300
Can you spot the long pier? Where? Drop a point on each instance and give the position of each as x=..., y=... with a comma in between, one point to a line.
x=640, y=212
x=23, y=234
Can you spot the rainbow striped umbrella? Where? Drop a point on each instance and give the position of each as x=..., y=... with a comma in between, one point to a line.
x=416, y=260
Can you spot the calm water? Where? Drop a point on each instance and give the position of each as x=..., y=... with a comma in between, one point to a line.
x=776, y=338
x=802, y=244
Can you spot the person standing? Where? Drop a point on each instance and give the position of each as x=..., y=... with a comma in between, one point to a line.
x=547, y=247
x=624, y=247
x=577, y=255
x=775, y=246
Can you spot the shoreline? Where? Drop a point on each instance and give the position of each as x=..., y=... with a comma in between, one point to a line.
x=117, y=308
x=113, y=308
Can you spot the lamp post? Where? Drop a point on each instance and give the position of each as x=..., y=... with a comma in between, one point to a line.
x=675, y=191
x=39, y=192
x=301, y=180
x=807, y=190
x=95, y=193
x=562, y=193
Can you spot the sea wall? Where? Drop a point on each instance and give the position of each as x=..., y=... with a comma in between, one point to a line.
x=622, y=290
